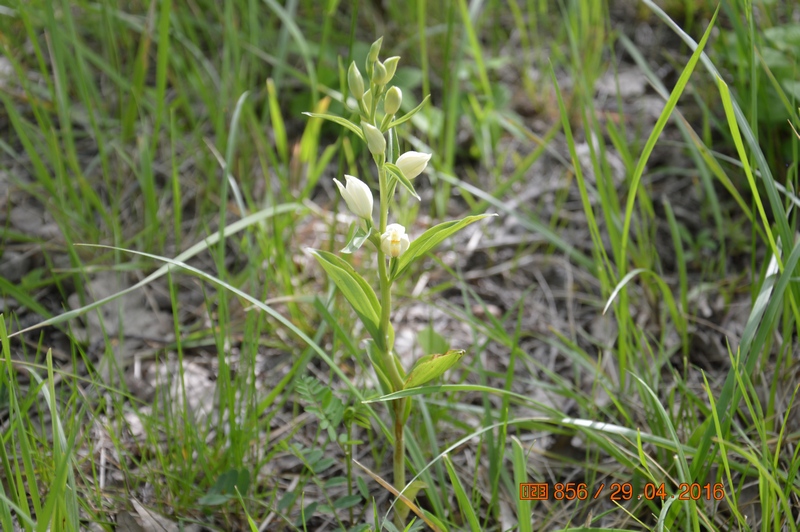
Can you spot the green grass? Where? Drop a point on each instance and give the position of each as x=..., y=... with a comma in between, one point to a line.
x=631, y=325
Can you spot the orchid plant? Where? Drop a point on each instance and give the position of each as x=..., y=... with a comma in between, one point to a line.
x=395, y=249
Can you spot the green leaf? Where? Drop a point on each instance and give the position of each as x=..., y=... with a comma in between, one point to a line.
x=398, y=174
x=321, y=465
x=224, y=489
x=432, y=366
x=410, y=492
x=400, y=369
x=409, y=114
x=464, y=502
x=358, y=239
x=636, y=178
x=380, y=370
x=434, y=521
x=334, y=482
x=278, y=126
x=520, y=463
x=593, y=529
x=306, y=514
x=243, y=481
x=287, y=500
x=355, y=289
x=214, y=499
x=312, y=456
x=339, y=120
x=326, y=407
x=432, y=342
x=407, y=411
x=363, y=488
x=429, y=240
x=348, y=501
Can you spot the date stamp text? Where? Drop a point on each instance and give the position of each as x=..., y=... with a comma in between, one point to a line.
x=619, y=491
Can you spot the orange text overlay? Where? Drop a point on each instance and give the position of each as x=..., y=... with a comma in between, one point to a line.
x=618, y=491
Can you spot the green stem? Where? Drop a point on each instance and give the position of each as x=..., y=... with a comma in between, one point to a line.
x=388, y=359
x=399, y=457
x=348, y=457
x=386, y=288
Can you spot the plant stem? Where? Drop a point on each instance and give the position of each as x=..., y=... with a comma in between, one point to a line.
x=386, y=288
x=399, y=457
x=388, y=360
x=349, y=456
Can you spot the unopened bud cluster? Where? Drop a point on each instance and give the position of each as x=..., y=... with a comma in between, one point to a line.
x=379, y=75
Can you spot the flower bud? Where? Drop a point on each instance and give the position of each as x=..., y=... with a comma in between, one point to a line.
x=413, y=163
x=368, y=99
x=379, y=73
x=394, y=242
x=391, y=67
x=391, y=104
x=355, y=81
x=357, y=195
x=375, y=141
x=374, y=50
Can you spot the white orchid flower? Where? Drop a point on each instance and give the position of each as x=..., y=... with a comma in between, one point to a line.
x=413, y=163
x=357, y=195
x=394, y=242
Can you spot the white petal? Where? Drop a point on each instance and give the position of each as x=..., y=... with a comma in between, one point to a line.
x=394, y=241
x=357, y=195
x=413, y=163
